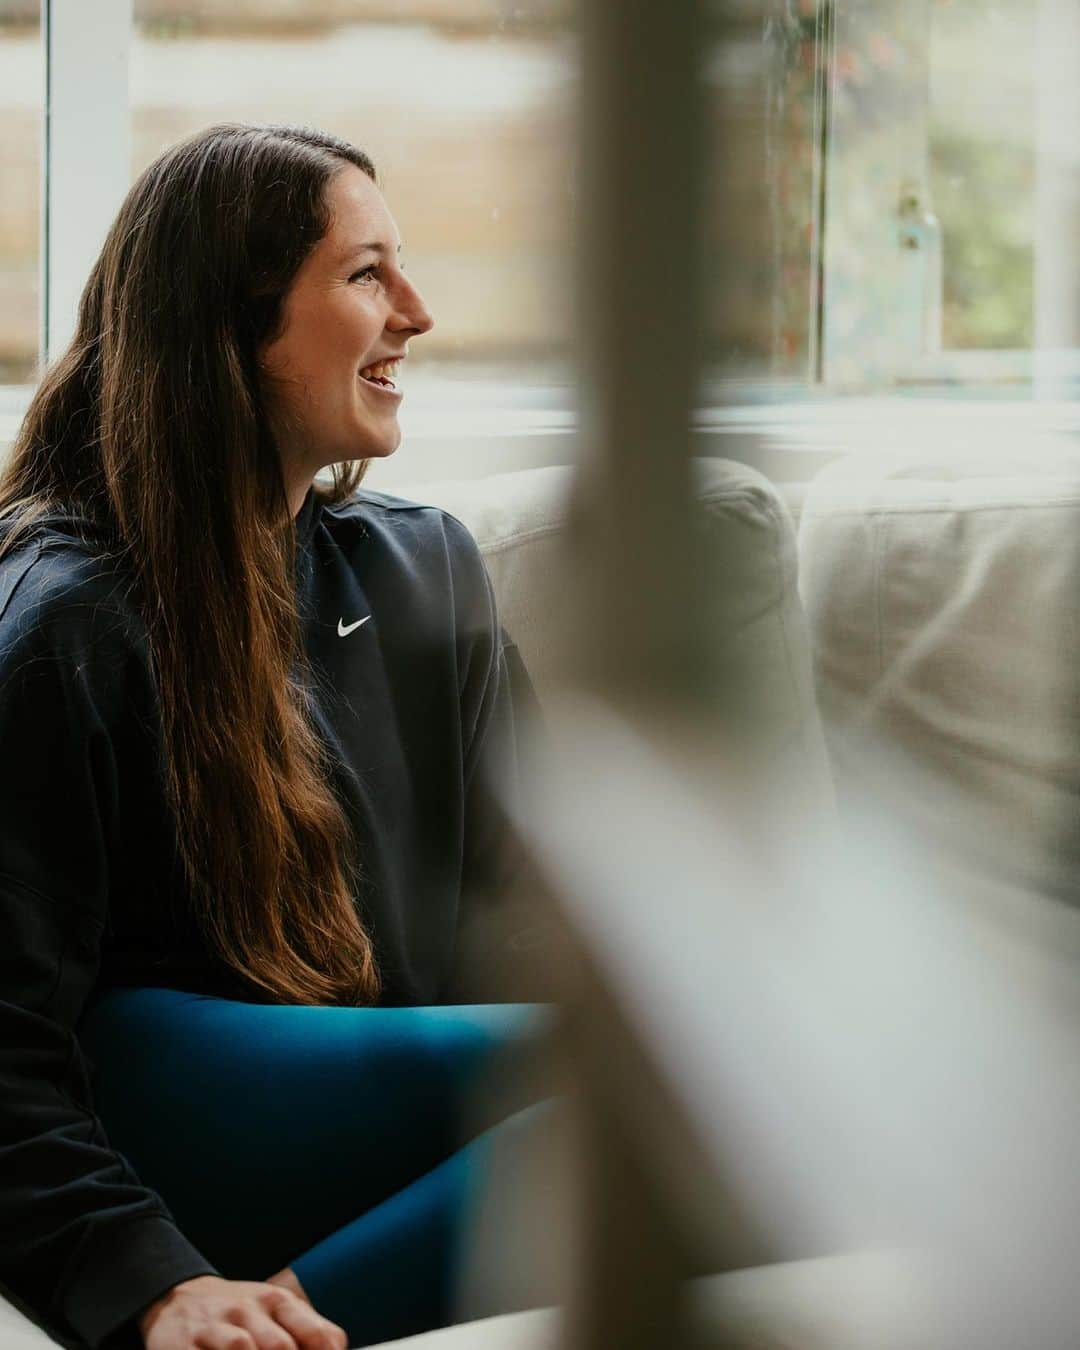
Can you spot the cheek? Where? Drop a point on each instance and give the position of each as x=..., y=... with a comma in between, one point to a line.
x=323, y=341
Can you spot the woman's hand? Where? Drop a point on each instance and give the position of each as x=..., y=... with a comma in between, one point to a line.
x=209, y=1313
x=287, y=1279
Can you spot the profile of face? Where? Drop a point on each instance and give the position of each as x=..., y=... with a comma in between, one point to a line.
x=349, y=308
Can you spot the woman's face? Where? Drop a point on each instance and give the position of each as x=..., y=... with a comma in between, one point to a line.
x=349, y=307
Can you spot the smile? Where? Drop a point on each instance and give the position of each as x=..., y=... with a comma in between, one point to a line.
x=386, y=391
x=381, y=373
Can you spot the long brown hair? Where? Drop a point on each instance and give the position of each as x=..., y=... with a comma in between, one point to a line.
x=151, y=426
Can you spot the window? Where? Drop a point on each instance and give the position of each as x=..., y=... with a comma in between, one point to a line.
x=466, y=109
x=467, y=119
x=931, y=209
x=894, y=240
x=894, y=212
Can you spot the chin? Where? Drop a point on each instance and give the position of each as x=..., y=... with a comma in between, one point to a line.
x=367, y=446
x=381, y=449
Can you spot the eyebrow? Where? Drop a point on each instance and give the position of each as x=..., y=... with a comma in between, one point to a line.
x=374, y=247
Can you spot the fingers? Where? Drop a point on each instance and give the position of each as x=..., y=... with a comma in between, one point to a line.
x=226, y=1338
x=210, y=1313
x=307, y=1328
x=287, y=1280
x=251, y=1329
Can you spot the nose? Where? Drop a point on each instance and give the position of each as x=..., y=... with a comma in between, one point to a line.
x=410, y=312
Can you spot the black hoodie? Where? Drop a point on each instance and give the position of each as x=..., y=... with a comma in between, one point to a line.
x=417, y=694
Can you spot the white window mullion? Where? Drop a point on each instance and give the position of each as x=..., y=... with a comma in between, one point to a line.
x=86, y=161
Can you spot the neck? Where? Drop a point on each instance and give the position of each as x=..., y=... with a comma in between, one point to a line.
x=297, y=482
x=296, y=497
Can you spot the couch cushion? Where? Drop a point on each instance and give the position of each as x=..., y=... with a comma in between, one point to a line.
x=19, y=1333
x=517, y=520
x=537, y=1329
x=942, y=598
x=874, y=1300
x=520, y=519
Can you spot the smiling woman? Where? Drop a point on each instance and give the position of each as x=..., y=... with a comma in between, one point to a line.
x=346, y=321
x=281, y=715
x=482, y=124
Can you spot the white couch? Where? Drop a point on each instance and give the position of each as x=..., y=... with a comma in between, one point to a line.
x=942, y=599
x=939, y=611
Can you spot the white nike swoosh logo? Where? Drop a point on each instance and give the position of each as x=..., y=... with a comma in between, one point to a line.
x=344, y=631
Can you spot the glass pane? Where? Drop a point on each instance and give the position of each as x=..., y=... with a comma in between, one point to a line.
x=894, y=202
x=464, y=105
x=22, y=100
x=982, y=168
x=882, y=251
x=761, y=83
x=953, y=203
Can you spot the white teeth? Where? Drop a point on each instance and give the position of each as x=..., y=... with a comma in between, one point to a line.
x=383, y=370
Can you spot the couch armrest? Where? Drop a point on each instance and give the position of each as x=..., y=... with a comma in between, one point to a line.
x=17, y=1332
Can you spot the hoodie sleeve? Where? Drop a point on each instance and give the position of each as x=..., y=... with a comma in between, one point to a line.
x=82, y=1242
x=504, y=939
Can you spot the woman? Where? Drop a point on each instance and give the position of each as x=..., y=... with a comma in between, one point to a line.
x=253, y=731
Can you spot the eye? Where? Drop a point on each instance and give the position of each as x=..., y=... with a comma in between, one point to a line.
x=370, y=271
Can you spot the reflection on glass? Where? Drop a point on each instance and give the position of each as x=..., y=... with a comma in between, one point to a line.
x=466, y=109
x=21, y=104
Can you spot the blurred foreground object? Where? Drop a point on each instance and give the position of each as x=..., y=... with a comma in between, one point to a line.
x=787, y=1038
x=800, y=1045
